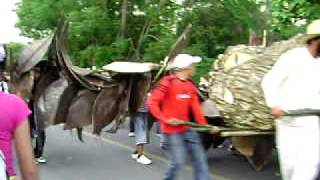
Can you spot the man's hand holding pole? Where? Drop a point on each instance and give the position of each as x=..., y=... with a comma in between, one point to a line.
x=175, y=122
x=277, y=112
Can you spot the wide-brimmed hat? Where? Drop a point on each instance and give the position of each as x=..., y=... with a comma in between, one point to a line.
x=312, y=31
x=183, y=61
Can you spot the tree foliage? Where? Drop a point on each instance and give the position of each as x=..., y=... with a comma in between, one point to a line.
x=14, y=50
x=102, y=31
x=220, y=23
x=95, y=27
x=289, y=17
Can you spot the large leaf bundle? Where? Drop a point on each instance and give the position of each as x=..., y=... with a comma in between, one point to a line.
x=235, y=83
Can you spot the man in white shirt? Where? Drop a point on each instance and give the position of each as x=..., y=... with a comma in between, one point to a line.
x=293, y=84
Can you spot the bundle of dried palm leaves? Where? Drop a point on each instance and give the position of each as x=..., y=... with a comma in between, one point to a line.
x=235, y=83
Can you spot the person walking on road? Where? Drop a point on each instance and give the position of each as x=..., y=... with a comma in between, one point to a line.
x=293, y=84
x=172, y=102
x=14, y=127
x=141, y=127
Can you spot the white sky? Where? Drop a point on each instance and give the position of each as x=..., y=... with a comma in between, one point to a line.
x=8, y=19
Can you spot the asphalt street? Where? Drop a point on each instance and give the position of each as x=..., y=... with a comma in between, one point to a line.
x=108, y=158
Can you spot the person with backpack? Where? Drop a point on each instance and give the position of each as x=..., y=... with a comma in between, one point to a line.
x=173, y=102
x=14, y=130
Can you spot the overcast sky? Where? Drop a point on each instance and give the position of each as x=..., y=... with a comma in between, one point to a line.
x=8, y=19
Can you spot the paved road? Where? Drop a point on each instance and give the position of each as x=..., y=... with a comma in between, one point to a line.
x=108, y=158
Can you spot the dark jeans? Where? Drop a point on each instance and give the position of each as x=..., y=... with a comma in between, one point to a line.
x=131, y=124
x=37, y=134
x=40, y=143
x=178, y=144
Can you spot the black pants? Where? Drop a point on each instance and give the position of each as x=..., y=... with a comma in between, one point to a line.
x=38, y=134
x=2, y=66
x=131, y=124
x=40, y=138
x=40, y=142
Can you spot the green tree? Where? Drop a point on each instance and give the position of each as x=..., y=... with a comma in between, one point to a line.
x=287, y=15
x=102, y=31
x=218, y=24
x=14, y=50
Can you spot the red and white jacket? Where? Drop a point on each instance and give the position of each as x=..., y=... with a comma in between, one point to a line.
x=175, y=98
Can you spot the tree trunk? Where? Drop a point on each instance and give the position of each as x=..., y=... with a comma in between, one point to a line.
x=124, y=14
x=235, y=83
x=144, y=32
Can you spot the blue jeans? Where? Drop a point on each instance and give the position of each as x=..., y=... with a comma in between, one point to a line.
x=178, y=144
x=141, y=128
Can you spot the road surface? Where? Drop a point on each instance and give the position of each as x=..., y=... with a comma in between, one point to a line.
x=108, y=158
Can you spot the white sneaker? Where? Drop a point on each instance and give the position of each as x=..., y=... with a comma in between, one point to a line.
x=41, y=160
x=131, y=134
x=144, y=160
x=134, y=156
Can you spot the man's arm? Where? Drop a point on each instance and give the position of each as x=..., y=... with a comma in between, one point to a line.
x=273, y=81
x=24, y=152
x=157, y=96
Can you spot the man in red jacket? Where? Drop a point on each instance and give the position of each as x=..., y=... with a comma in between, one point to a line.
x=172, y=102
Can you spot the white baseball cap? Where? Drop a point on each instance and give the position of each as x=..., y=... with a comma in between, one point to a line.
x=182, y=61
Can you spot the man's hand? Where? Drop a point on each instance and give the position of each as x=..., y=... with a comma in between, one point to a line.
x=175, y=122
x=277, y=112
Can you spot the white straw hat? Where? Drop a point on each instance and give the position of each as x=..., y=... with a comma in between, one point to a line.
x=313, y=30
